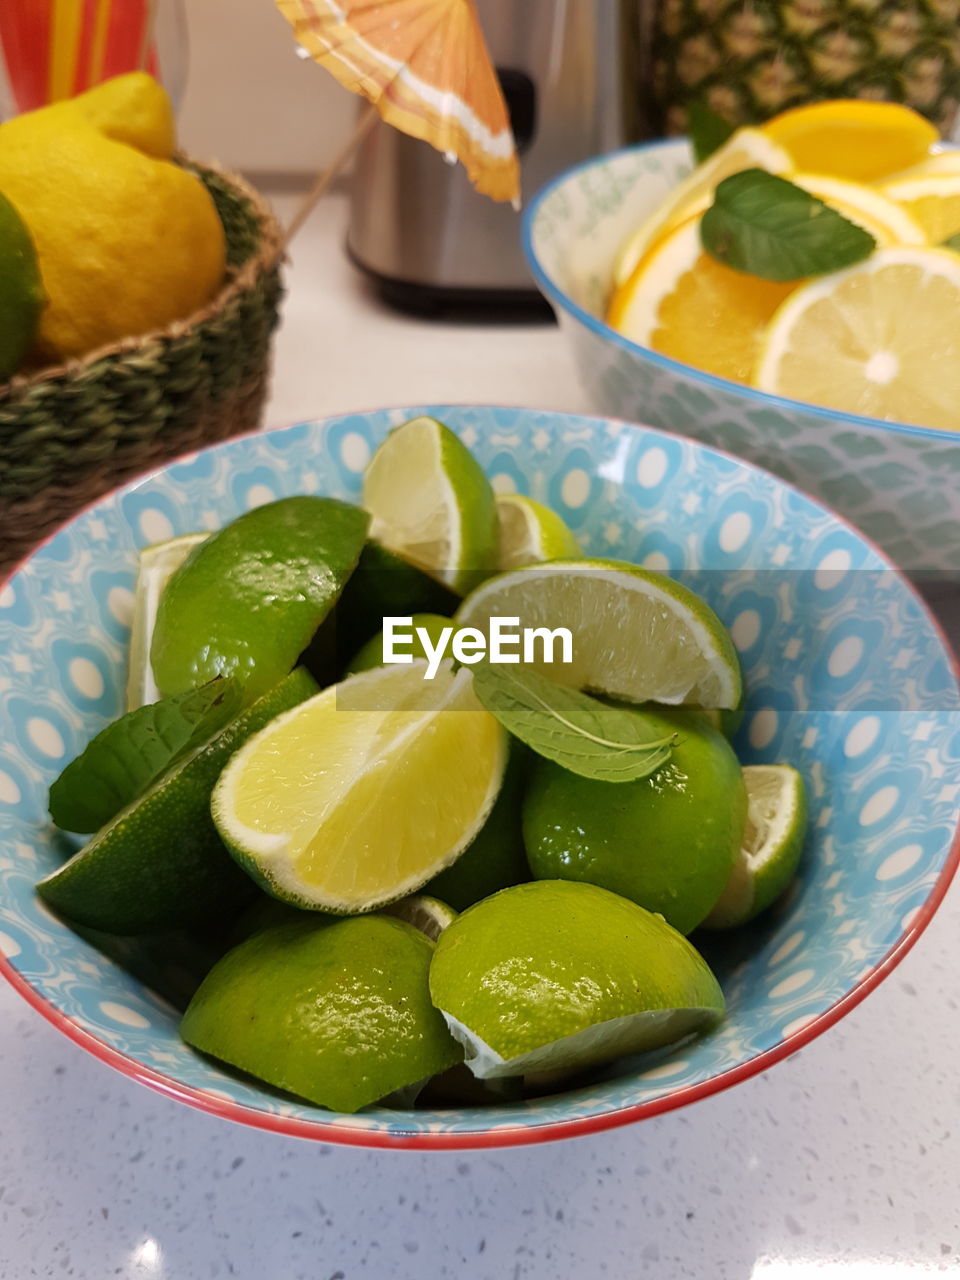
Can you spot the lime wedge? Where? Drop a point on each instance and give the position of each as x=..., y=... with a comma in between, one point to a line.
x=362, y=794
x=160, y=863
x=157, y=563
x=772, y=844
x=339, y=1014
x=529, y=533
x=557, y=975
x=637, y=635
x=429, y=915
x=247, y=601
x=431, y=503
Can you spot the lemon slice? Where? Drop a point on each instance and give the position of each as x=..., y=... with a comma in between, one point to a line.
x=876, y=339
x=366, y=792
x=852, y=138
x=684, y=304
x=637, y=635
x=530, y=533
x=157, y=564
x=932, y=200
x=746, y=149
x=887, y=221
x=772, y=844
x=431, y=503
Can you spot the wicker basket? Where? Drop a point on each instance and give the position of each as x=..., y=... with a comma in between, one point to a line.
x=69, y=434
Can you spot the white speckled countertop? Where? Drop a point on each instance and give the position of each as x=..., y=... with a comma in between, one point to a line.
x=842, y=1163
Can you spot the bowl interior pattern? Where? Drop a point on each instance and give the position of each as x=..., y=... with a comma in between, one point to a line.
x=848, y=678
x=900, y=484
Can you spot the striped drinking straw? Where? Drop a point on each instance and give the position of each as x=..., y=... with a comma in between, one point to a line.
x=56, y=48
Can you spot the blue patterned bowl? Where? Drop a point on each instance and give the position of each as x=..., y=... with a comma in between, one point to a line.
x=899, y=483
x=848, y=678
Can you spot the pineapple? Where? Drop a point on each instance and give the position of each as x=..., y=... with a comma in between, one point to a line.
x=750, y=59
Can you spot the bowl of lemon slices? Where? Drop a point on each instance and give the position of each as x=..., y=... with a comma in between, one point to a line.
x=314, y=821
x=788, y=295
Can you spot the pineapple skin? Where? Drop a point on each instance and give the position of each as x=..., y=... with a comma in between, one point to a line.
x=750, y=59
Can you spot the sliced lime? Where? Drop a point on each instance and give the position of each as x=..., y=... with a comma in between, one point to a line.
x=362, y=794
x=529, y=533
x=338, y=1013
x=157, y=564
x=558, y=976
x=431, y=503
x=160, y=863
x=636, y=635
x=247, y=600
x=772, y=844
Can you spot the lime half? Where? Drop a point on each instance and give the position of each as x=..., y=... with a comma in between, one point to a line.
x=772, y=844
x=636, y=635
x=431, y=503
x=363, y=793
x=557, y=976
x=529, y=533
x=157, y=563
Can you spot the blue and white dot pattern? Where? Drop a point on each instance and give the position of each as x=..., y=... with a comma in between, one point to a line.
x=847, y=678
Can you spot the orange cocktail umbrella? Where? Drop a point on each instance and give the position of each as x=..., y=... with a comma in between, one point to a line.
x=424, y=65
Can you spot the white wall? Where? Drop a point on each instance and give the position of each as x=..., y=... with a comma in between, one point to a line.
x=250, y=101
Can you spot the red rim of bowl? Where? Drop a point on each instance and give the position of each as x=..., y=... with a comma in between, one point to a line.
x=522, y=1135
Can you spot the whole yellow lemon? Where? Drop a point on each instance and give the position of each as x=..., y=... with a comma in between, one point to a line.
x=131, y=108
x=126, y=243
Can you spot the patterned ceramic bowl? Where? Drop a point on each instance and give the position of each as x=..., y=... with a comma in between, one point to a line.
x=848, y=678
x=900, y=484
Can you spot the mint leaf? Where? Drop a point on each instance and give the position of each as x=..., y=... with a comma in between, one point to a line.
x=611, y=744
x=708, y=130
x=952, y=242
x=127, y=756
x=766, y=226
